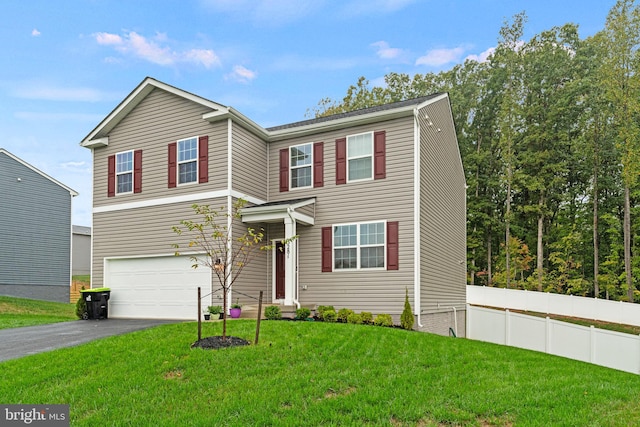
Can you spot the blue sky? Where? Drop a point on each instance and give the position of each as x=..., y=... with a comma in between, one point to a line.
x=66, y=64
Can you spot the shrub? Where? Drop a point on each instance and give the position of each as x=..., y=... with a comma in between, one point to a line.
x=302, y=313
x=367, y=317
x=343, y=314
x=330, y=316
x=214, y=309
x=383, y=320
x=81, y=307
x=406, y=319
x=322, y=308
x=354, y=318
x=273, y=312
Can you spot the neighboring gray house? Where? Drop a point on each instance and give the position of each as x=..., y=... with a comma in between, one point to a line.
x=376, y=196
x=35, y=219
x=81, y=253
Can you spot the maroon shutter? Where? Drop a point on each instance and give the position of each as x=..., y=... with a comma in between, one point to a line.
x=284, y=169
x=111, y=176
x=318, y=164
x=327, y=249
x=392, y=245
x=137, y=171
x=173, y=147
x=341, y=161
x=379, y=165
x=203, y=159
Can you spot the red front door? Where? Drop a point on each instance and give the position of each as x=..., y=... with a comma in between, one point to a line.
x=280, y=256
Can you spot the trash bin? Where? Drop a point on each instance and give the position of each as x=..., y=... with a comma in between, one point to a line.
x=97, y=301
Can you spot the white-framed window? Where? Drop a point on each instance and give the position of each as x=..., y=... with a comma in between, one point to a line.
x=359, y=245
x=124, y=172
x=188, y=160
x=301, y=165
x=360, y=157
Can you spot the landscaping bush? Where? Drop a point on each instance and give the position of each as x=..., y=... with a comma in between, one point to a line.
x=354, y=318
x=81, y=307
x=383, y=320
x=329, y=316
x=343, y=314
x=406, y=319
x=302, y=313
x=321, y=309
x=273, y=312
x=367, y=317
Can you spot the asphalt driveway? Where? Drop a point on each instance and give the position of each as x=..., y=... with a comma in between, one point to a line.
x=19, y=342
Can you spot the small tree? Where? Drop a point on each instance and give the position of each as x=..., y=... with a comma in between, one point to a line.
x=406, y=318
x=223, y=253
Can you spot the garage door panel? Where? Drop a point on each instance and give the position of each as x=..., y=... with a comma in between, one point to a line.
x=161, y=287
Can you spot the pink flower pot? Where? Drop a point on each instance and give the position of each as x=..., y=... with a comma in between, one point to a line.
x=235, y=312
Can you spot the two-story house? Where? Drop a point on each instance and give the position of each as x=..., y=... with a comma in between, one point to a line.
x=375, y=196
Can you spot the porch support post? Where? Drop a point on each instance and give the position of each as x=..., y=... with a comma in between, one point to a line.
x=290, y=261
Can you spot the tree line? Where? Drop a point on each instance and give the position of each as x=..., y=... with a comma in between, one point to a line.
x=550, y=140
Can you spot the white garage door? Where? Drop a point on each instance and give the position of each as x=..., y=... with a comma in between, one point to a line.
x=155, y=288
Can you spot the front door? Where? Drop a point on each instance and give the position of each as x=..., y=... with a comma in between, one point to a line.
x=280, y=258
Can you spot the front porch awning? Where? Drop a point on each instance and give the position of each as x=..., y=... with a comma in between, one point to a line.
x=302, y=211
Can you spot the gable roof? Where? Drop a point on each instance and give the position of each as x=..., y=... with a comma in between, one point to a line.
x=99, y=135
x=38, y=171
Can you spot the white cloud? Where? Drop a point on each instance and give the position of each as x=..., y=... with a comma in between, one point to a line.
x=242, y=74
x=438, y=57
x=35, y=32
x=156, y=50
x=483, y=56
x=385, y=51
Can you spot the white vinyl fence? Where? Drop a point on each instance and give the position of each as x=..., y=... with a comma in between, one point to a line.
x=566, y=305
x=606, y=348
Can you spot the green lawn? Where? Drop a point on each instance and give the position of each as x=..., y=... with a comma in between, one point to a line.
x=318, y=374
x=16, y=312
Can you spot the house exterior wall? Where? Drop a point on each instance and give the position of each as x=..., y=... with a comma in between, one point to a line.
x=249, y=163
x=81, y=251
x=35, y=217
x=389, y=199
x=442, y=217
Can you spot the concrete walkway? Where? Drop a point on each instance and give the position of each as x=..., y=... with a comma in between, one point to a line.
x=19, y=342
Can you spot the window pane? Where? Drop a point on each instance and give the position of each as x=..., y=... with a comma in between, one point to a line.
x=345, y=258
x=125, y=183
x=301, y=155
x=372, y=257
x=372, y=234
x=187, y=172
x=345, y=235
x=187, y=150
x=360, y=168
x=301, y=177
x=360, y=145
x=124, y=162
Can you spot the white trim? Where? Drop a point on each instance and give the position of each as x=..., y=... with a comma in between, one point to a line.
x=417, y=297
x=123, y=173
x=310, y=166
x=195, y=160
x=358, y=246
x=371, y=156
x=229, y=153
x=176, y=199
x=98, y=142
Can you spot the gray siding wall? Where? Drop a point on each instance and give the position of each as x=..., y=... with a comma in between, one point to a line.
x=249, y=163
x=81, y=258
x=388, y=199
x=35, y=218
x=442, y=213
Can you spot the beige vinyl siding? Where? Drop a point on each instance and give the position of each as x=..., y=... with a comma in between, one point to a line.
x=389, y=199
x=160, y=119
x=249, y=163
x=442, y=212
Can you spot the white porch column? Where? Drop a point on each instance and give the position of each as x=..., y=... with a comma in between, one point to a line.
x=290, y=261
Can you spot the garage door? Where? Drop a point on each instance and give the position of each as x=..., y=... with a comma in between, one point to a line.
x=155, y=288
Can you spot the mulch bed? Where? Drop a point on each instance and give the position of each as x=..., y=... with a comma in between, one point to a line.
x=214, y=343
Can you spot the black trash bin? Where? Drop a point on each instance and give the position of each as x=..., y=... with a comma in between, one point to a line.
x=97, y=301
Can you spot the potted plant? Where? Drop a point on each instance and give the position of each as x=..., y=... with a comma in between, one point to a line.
x=215, y=311
x=236, y=309
x=206, y=315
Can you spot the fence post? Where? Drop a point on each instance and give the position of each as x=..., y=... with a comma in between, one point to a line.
x=199, y=315
x=507, y=327
x=259, y=317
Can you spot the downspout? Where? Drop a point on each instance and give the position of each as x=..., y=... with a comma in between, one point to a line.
x=295, y=274
x=416, y=218
x=455, y=318
x=229, y=207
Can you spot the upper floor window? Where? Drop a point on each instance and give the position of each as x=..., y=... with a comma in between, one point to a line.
x=360, y=156
x=187, y=160
x=124, y=172
x=300, y=160
x=357, y=246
